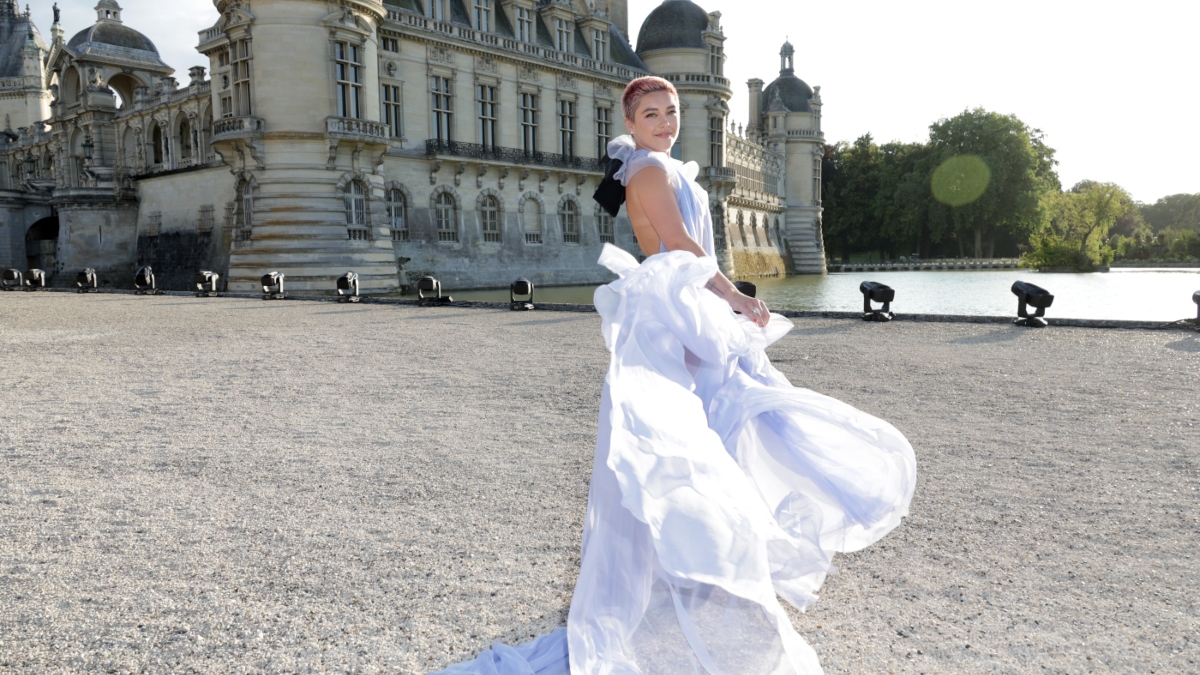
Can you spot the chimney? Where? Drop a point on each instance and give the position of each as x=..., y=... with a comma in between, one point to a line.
x=756, y=89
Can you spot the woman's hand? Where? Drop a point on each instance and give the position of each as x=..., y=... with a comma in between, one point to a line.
x=751, y=308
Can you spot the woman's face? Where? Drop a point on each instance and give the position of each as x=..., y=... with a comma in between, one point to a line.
x=655, y=125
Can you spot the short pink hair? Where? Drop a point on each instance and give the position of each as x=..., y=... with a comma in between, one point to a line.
x=639, y=88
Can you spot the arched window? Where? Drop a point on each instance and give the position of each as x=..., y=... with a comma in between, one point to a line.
x=604, y=226
x=397, y=209
x=531, y=221
x=185, y=142
x=156, y=141
x=355, y=198
x=569, y=217
x=446, y=217
x=489, y=218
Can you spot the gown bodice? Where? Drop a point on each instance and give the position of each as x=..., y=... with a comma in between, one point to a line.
x=691, y=198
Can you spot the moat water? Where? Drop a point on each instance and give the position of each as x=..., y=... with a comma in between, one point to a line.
x=1134, y=294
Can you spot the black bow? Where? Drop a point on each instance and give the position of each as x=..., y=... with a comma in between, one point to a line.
x=610, y=194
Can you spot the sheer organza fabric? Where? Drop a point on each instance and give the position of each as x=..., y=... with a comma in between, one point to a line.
x=717, y=487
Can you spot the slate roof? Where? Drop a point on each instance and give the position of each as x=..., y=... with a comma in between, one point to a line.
x=672, y=25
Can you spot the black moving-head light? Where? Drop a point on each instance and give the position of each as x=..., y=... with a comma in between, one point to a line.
x=87, y=281
x=1028, y=296
x=144, y=282
x=522, y=287
x=272, y=286
x=204, y=284
x=873, y=291
x=347, y=288
x=430, y=285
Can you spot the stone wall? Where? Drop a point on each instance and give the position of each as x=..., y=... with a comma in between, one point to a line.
x=182, y=225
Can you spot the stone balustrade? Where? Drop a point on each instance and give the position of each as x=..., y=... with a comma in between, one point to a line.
x=236, y=126
x=356, y=129
x=435, y=148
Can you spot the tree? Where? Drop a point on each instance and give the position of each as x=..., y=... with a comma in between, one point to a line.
x=1180, y=212
x=1076, y=234
x=851, y=183
x=1004, y=197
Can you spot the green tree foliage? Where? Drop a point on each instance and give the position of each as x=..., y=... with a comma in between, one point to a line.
x=1178, y=212
x=1076, y=233
x=1021, y=168
x=991, y=168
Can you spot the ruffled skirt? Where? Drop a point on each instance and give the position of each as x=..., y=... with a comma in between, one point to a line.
x=717, y=489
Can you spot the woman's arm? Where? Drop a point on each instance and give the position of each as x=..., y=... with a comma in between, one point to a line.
x=650, y=200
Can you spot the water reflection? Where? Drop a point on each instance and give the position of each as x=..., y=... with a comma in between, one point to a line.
x=1136, y=294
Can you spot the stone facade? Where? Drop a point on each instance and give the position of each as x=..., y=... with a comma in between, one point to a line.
x=393, y=138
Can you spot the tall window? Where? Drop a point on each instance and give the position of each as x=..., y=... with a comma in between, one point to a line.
x=439, y=10
x=392, y=109
x=600, y=45
x=716, y=60
x=489, y=216
x=247, y=204
x=397, y=208
x=603, y=130
x=349, y=69
x=443, y=107
x=817, y=180
x=562, y=33
x=566, y=127
x=485, y=98
x=604, y=224
x=443, y=212
x=389, y=44
x=529, y=122
x=226, y=106
x=483, y=15
x=241, y=78
x=356, y=205
x=716, y=141
x=718, y=218
x=531, y=221
x=569, y=215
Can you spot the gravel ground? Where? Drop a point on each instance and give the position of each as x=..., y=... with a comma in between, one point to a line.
x=234, y=486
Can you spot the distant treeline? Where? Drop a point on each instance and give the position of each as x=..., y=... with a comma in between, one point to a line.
x=984, y=186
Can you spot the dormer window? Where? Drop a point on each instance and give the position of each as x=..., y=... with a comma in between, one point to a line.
x=562, y=33
x=438, y=10
x=483, y=15
x=716, y=60
x=525, y=24
x=600, y=44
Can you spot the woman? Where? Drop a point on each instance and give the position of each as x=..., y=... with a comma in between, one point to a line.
x=717, y=486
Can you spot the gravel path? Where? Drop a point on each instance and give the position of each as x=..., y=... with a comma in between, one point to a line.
x=232, y=486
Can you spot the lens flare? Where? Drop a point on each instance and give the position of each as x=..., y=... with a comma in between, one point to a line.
x=960, y=180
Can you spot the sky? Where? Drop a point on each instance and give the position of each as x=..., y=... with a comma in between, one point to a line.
x=1112, y=86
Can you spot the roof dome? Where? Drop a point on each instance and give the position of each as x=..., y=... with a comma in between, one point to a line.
x=672, y=25
x=793, y=93
x=114, y=34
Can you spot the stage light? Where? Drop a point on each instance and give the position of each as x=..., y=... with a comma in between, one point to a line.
x=431, y=285
x=522, y=287
x=1028, y=296
x=12, y=280
x=144, y=282
x=35, y=279
x=746, y=288
x=1196, y=299
x=87, y=281
x=204, y=284
x=873, y=291
x=347, y=288
x=272, y=285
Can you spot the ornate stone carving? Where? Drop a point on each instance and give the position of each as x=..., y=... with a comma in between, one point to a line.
x=528, y=74
x=567, y=82
x=440, y=54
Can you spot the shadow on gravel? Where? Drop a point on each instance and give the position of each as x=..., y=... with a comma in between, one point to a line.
x=1188, y=344
x=543, y=322
x=1002, y=335
x=824, y=330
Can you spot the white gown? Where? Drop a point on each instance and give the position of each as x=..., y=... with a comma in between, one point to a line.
x=717, y=486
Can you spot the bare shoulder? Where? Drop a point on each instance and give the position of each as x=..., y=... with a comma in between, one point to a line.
x=650, y=181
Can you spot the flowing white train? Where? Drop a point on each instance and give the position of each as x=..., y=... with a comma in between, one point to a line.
x=717, y=488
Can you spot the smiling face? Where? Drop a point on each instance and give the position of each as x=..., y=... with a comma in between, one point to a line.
x=655, y=124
